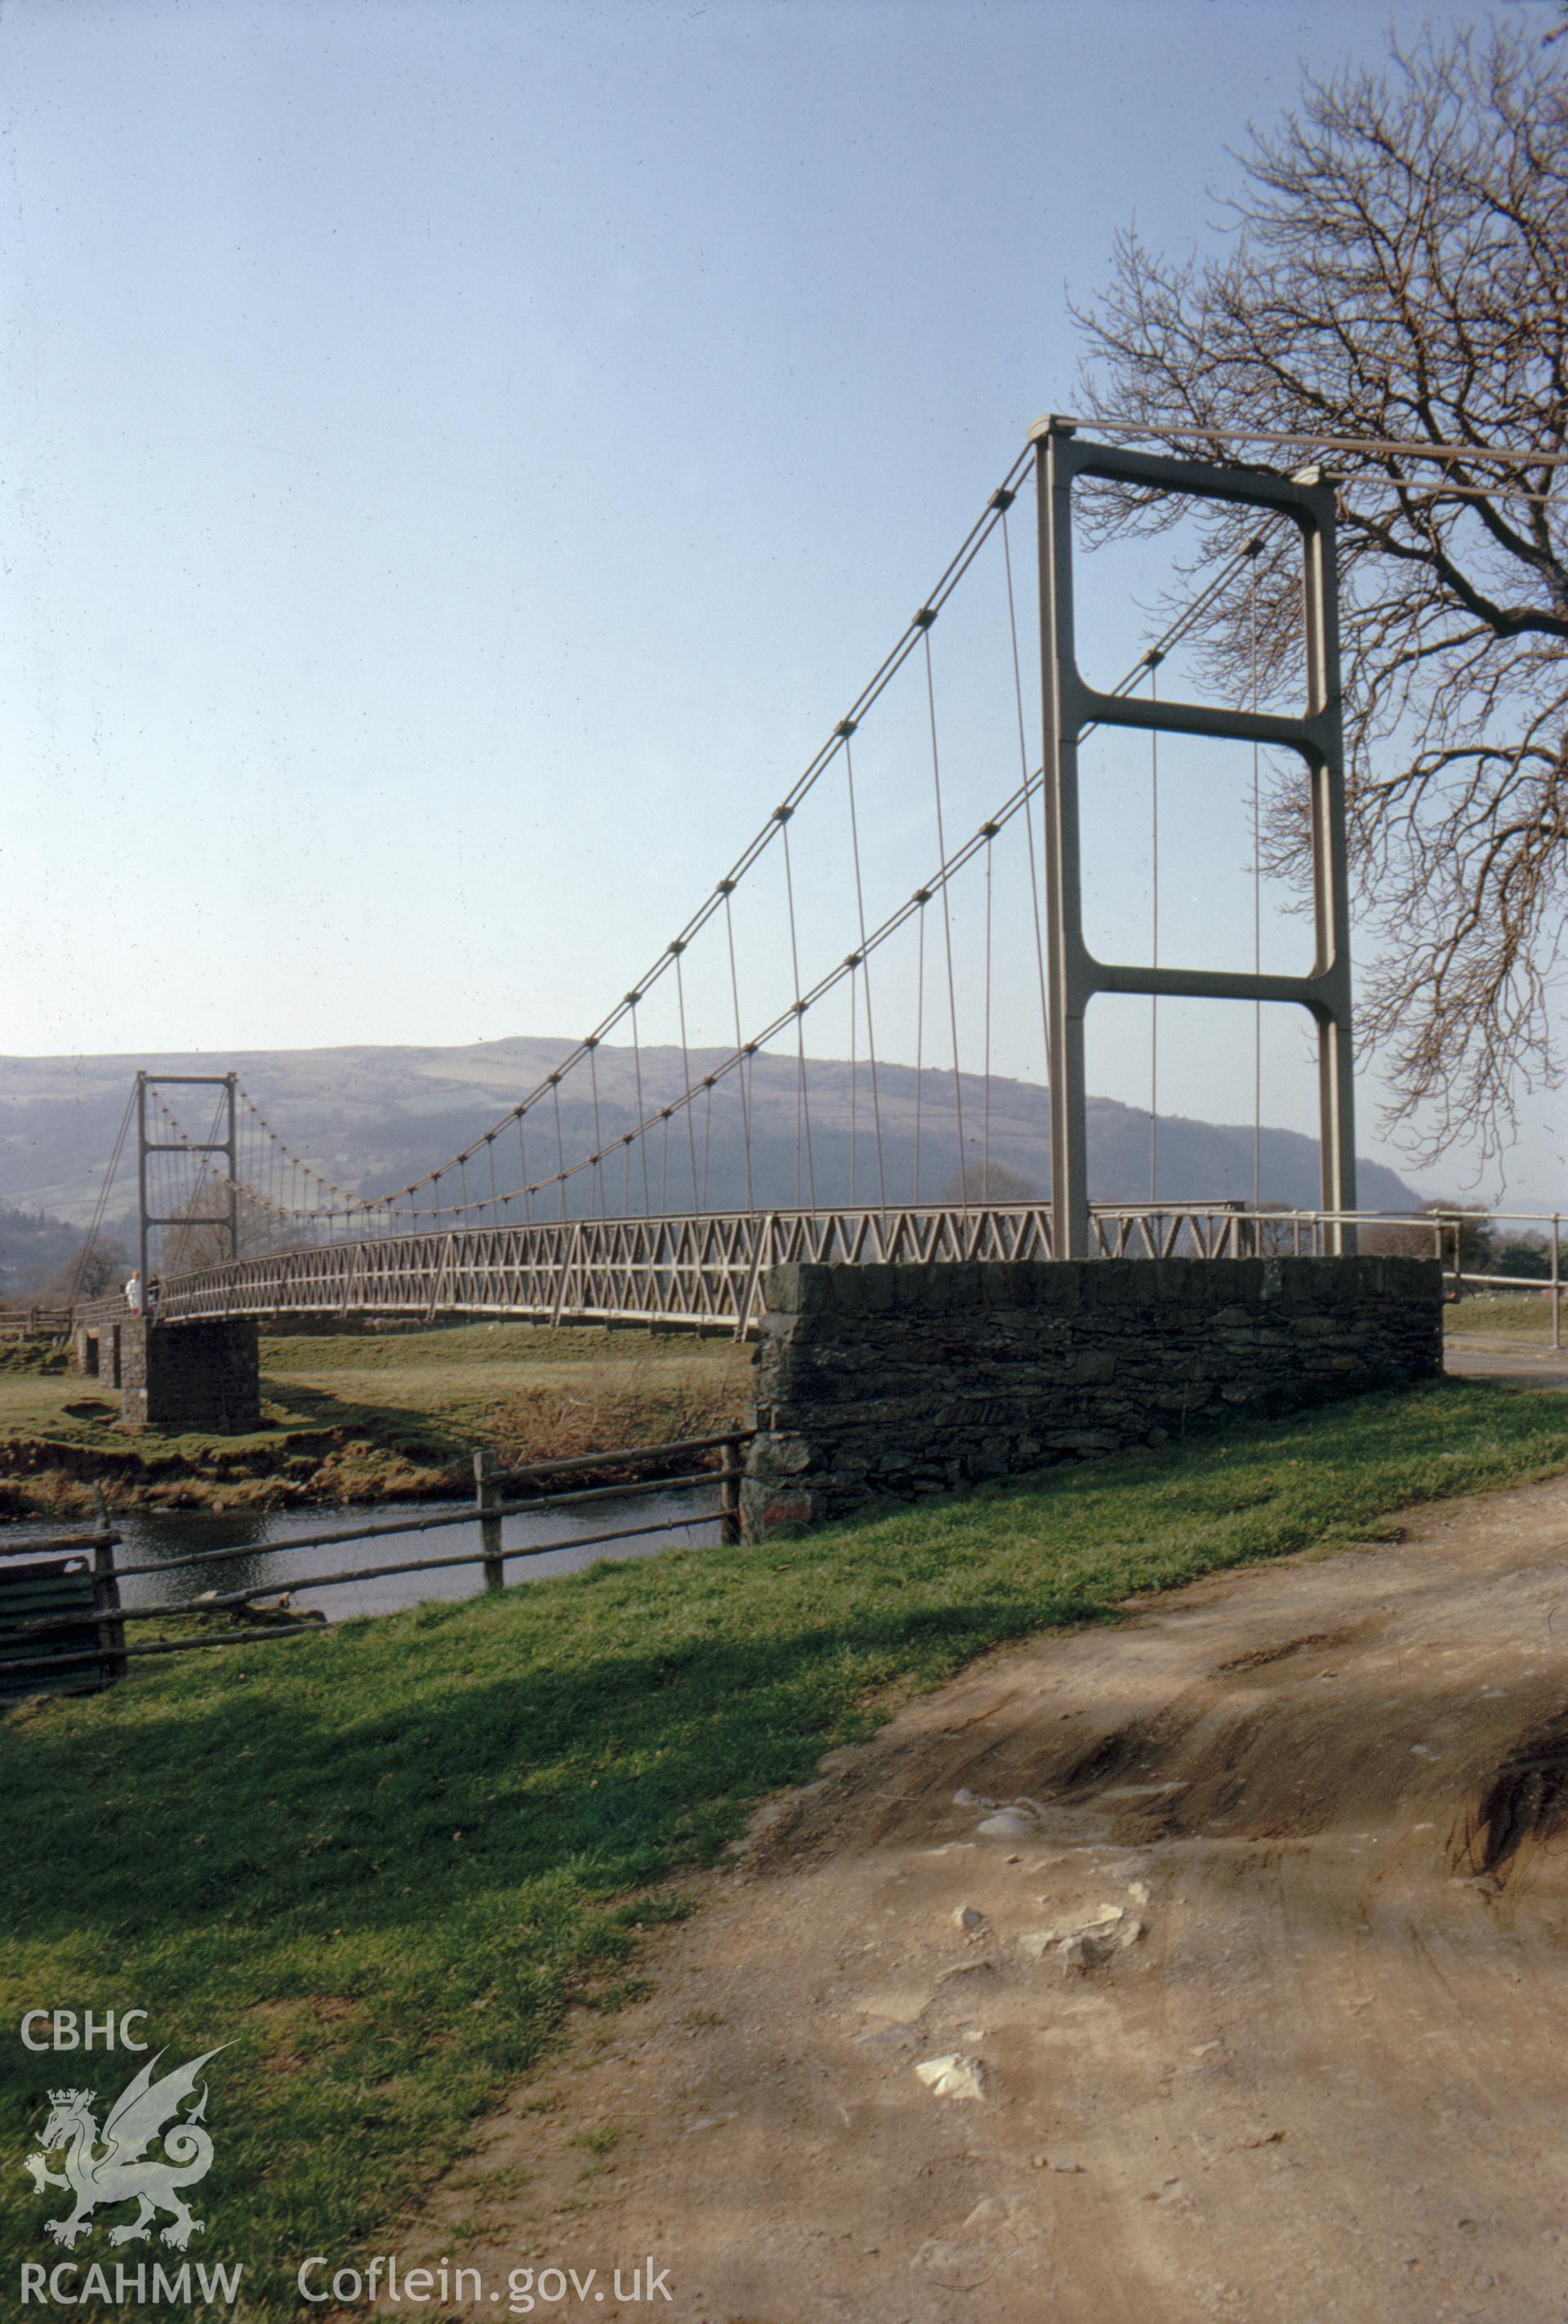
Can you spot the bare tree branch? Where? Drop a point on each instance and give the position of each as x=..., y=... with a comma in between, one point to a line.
x=1396, y=271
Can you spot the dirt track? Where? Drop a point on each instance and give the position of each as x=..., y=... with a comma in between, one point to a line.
x=1314, y=2071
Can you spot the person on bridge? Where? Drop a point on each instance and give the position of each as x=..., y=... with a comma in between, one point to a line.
x=152, y=1299
x=133, y=1292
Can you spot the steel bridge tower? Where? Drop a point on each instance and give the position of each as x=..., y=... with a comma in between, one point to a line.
x=227, y=1146
x=1070, y=706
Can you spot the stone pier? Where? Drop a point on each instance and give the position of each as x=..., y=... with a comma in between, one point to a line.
x=201, y=1376
x=888, y=1383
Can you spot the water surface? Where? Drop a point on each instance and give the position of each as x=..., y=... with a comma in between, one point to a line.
x=267, y=1561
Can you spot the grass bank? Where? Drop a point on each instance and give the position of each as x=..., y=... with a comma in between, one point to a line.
x=1511, y=1314
x=379, y=1863
x=356, y=1417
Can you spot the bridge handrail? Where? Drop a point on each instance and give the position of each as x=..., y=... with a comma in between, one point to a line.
x=34, y=1322
x=704, y=1270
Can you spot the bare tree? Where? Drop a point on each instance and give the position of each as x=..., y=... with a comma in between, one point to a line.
x=1396, y=276
x=199, y=1241
x=201, y=1238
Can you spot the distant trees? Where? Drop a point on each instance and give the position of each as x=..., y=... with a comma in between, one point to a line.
x=39, y=1256
x=1522, y=1254
x=991, y=1182
x=201, y=1238
x=97, y=1271
x=1468, y=1242
x=1483, y=1247
x=1396, y=277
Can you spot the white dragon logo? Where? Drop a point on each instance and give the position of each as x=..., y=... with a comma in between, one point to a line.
x=144, y=2110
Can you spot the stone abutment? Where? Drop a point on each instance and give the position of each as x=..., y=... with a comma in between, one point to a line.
x=888, y=1383
x=204, y=1376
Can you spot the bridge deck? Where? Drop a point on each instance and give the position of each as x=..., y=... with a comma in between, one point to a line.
x=693, y=1271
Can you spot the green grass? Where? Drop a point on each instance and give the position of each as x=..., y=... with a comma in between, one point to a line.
x=34, y=1356
x=380, y=1862
x=1511, y=1314
x=460, y=1344
x=352, y=1416
x=480, y=1384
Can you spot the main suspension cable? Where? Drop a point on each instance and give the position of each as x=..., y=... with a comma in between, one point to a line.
x=744, y=1052
x=875, y=687
x=741, y=1059
x=100, y=1207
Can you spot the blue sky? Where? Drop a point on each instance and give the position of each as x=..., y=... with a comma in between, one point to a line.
x=460, y=459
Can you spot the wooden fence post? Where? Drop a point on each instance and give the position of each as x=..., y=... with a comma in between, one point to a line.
x=107, y=1596
x=730, y=1495
x=487, y=1495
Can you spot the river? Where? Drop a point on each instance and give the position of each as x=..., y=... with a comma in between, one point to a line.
x=265, y=1562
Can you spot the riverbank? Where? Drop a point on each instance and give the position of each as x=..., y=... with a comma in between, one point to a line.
x=356, y=1417
x=352, y=1418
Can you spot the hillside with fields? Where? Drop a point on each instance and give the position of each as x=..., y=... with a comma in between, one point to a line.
x=374, y=1118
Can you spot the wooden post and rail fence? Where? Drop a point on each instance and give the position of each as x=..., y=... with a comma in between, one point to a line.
x=62, y=1624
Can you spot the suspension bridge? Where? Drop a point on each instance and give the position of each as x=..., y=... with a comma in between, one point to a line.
x=694, y=1140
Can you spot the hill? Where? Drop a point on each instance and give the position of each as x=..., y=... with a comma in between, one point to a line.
x=374, y=1118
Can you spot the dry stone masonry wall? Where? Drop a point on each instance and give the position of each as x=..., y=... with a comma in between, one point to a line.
x=878, y=1383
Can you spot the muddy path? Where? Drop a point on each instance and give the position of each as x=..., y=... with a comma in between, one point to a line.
x=1256, y=1986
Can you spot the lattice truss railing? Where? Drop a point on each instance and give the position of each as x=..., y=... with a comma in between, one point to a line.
x=679, y=1270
